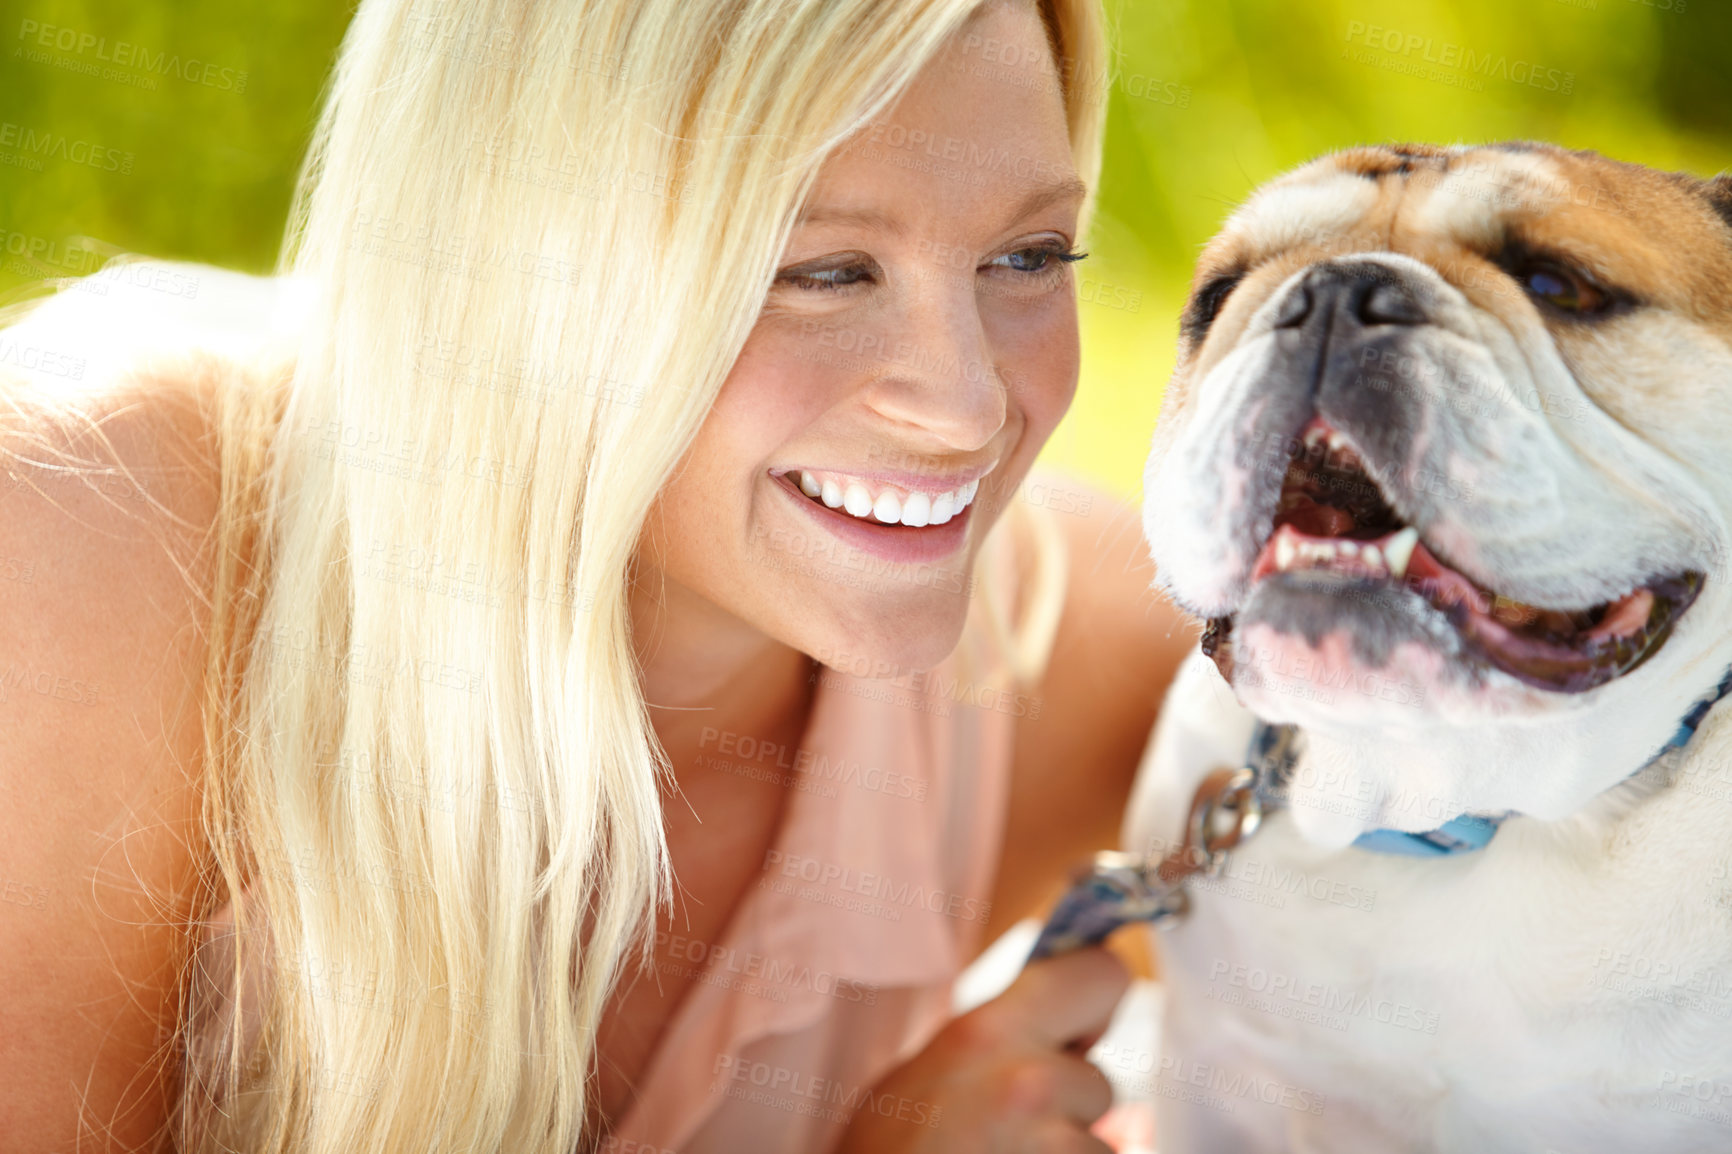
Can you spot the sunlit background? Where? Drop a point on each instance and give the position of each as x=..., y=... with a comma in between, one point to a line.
x=193, y=115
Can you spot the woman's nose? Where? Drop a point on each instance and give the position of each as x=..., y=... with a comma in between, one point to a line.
x=941, y=377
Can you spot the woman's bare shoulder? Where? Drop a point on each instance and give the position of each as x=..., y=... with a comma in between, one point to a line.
x=108, y=491
x=1079, y=742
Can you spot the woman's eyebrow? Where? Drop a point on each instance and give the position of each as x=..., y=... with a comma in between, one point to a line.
x=1043, y=194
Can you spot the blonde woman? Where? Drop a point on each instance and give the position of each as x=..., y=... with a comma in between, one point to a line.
x=574, y=663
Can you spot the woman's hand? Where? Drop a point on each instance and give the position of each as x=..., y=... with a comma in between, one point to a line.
x=1009, y=1076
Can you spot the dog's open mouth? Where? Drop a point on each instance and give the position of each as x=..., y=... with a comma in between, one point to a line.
x=1333, y=518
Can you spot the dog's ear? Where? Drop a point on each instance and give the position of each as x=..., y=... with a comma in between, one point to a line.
x=1719, y=193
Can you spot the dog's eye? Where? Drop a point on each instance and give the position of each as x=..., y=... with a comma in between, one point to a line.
x=1206, y=305
x=1566, y=289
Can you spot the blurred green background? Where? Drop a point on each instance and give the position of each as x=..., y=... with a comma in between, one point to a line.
x=180, y=122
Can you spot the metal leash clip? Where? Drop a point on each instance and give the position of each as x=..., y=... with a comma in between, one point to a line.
x=1120, y=888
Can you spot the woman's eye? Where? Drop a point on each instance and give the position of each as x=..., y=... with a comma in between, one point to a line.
x=833, y=276
x=818, y=278
x=1564, y=288
x=1042, y=258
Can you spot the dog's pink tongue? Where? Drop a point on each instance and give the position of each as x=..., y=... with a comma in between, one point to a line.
x=1493, y=616
x=1442, y=584
x=1626, y=617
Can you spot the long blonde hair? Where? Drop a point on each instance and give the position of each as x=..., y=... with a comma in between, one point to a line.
x=540, y=233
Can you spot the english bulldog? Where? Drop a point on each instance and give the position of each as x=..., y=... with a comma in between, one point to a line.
x=1446, y=466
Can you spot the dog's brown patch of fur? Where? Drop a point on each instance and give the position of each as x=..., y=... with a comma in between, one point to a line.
x=1664, y=239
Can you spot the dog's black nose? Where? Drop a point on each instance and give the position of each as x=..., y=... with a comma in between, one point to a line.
x=1358, y=291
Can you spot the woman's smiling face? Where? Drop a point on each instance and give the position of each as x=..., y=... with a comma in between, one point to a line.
x=917, y=349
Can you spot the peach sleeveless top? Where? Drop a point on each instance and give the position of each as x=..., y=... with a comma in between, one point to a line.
x=837, y=966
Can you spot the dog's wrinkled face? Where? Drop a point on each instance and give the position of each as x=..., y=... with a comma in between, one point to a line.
x=1447, y=463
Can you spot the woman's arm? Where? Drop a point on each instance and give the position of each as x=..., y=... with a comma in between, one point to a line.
x=1117, y=647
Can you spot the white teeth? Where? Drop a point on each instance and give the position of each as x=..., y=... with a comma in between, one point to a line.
x=1336, y=441
x=1295, y=550
x=953, y=502
x=890, y=506
x=1398, y=550
x=1313, y=437
x=1292, y=550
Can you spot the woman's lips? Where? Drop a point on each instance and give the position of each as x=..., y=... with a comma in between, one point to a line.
x=897, y=544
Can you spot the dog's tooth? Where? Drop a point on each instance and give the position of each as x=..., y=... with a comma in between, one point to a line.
x=1398, y=550
x=1314, y=437
x=1285, y=553
x=1348, y=549
x=1337, y=440
x=1372, y=556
